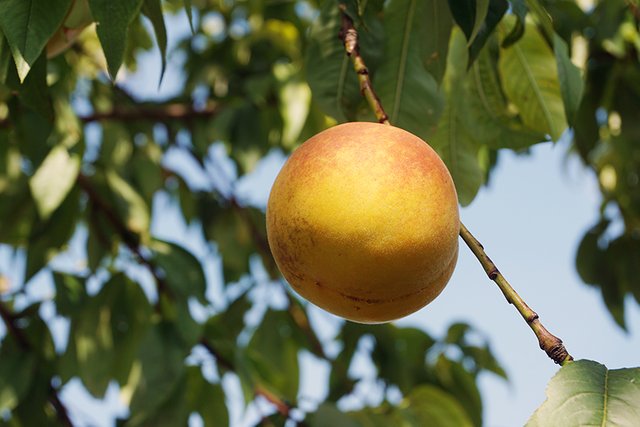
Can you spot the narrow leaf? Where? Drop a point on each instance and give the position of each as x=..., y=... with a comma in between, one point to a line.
x=520, y=10
x=530, y=81
x=53, y=180
x=153, y=10
x=28, y=25
x=482, y=8
x=333, y=82
x=586, y=393
x=452, y=140
x=113, y=18
x=497, y=9
x=543, y=18
x=408, y=92
x=464, y=13
x=435, y=30
x=571, y=82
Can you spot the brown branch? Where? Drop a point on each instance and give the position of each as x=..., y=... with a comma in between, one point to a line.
x=169, y=112
x=13, y=329
x=282, y=406
x=128, y=237
x=349, y=37
x=551, y=344
x=158, y=113
x=24, y=344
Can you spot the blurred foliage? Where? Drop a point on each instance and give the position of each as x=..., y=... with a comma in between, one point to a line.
x=85, y=159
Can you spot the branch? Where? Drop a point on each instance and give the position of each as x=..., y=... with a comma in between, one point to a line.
x=283, y=407
x=551, y=344
x=154, y=113
x=128, y=237
x=24, y=344
x=165, y=113
x=349, y=37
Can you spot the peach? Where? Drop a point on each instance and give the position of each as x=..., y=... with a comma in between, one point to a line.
x=363, y=222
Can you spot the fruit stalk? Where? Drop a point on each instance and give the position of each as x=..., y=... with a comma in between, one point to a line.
x=551, y=344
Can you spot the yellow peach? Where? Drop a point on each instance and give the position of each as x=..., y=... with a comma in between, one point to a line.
x=363, y=222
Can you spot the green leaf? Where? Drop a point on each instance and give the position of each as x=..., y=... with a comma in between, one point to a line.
x=544, y=19
x=159, y=369
x=5, y=58
x=34, y=93
x=113, y=18
x=222, y=330
x=530, y=80
x=520, y=10
x=492, y=123
x=272, y=355
x=453, y=142
x=435, y=30
x=28, y=25
x=495, y=12
x=153, y=10
x=327, y=415
x=53, y=180
x=16, y=374
x=464, y=13
x=234, y=237
x=182, y=271
x=134, y=210
x=187, y=8
x=461, y=384
x=408, y=92
x=106, y=331
x=430, y=406
x=328, y=69
x=570, y=78
x=47, y=238
x=587, y=393
x=70, y=293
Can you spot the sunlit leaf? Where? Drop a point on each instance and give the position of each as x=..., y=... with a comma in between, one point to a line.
x=588, y=393
x=53, y=180
x=530, y=80
x=28, y=25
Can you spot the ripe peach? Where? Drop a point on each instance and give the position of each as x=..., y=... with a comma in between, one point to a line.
x=363, y=221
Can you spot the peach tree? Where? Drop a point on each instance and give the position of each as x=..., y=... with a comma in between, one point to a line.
x=86, y=160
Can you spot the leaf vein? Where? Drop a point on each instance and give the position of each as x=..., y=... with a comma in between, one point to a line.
x=404, y=55
x=536, y=89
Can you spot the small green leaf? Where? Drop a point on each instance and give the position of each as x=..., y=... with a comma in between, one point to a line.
x=16, y=374
x=28, y=25
x=430, y=406
x=481, y=10
x=544, y=19
x=497, y=9
x=530, y=80
x=520, y=10
x=182, y=271
x=586, y=393
x=130, y=204
x=327, y=415
x=435, y=30
x=408, y=92
x=570, y=78
x=113, y=18
x=53, y=180
x=464, y=13
x=272, y=355
x=160, y=366
x=153, y=10
x=187, y=8
x=453, y=142
x=329, y=72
